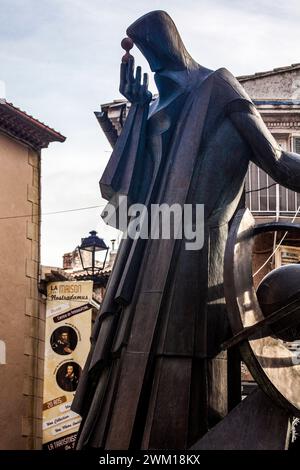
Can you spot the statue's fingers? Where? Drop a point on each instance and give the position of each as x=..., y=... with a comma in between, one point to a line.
x=137, y=81
x=130, y=68
x=128, y=91
x=138, y=75
x=145, y=81
x=123, y=73
x=144, y=89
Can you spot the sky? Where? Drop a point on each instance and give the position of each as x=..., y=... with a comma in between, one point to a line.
x=60, y=61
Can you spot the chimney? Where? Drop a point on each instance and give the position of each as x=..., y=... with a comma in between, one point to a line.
x=67, y=261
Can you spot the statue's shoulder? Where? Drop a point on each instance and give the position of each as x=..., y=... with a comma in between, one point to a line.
x=230, y=85
x=225, y=74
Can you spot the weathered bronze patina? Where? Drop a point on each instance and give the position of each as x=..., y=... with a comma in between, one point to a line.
x=155, y=377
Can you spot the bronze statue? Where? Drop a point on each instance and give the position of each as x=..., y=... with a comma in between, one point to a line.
x=156, y=376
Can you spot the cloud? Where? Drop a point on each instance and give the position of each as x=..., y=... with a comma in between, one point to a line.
x=60, y=61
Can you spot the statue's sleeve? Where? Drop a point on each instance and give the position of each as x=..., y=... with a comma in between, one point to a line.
x=282, y=166
x=122, y=173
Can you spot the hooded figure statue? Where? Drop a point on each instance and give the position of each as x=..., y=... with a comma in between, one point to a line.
x=155, y=377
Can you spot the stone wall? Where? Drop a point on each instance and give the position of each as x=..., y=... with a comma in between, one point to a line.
x=285, y=85
x=21, y=320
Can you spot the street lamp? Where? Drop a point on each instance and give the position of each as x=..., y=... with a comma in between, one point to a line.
x=91, y=253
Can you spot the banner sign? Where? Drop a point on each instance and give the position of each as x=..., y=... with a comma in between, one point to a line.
x=67, y=343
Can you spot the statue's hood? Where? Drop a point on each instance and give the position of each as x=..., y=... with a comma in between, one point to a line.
x=157, y=37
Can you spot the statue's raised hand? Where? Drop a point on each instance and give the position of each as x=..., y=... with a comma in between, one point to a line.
x=131, y=86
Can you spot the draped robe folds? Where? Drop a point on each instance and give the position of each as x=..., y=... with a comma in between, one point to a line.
x=155, y=348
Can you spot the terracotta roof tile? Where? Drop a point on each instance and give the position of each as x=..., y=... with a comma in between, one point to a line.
x=25, y=127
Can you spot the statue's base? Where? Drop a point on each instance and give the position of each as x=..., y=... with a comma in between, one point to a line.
x=257, y=423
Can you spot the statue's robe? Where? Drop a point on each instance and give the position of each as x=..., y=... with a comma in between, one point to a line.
x=155, y=377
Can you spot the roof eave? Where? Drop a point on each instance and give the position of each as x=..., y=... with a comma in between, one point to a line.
x=25, y=128
x=276, y=71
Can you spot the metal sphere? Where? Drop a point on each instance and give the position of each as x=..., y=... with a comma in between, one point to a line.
x=127, y=44
x=277, y=289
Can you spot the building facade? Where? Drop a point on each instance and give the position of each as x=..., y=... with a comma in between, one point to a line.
x=21, y=320
x=276, y=94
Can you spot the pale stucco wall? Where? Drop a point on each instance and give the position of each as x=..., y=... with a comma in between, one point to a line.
x=284, y=85
x=21, y=323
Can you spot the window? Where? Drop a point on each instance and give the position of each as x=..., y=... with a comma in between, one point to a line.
x=287, y=255
x=261, y=193
x=296, y=144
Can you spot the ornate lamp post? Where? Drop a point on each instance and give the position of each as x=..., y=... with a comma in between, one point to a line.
x=91, y=253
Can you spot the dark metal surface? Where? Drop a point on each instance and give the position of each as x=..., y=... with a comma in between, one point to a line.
x=270, y=361
x=127, y=45
x=255, y=424
x=278, y=322
x=92, y=245
x=278, y=291
x=154, y=377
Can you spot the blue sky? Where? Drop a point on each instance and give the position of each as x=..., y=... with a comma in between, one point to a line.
x=60, y=61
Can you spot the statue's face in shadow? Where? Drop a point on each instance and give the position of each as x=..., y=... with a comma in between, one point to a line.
x=156, y=35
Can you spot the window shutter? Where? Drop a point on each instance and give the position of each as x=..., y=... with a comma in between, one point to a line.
x=287, y=255
x=296, y=146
